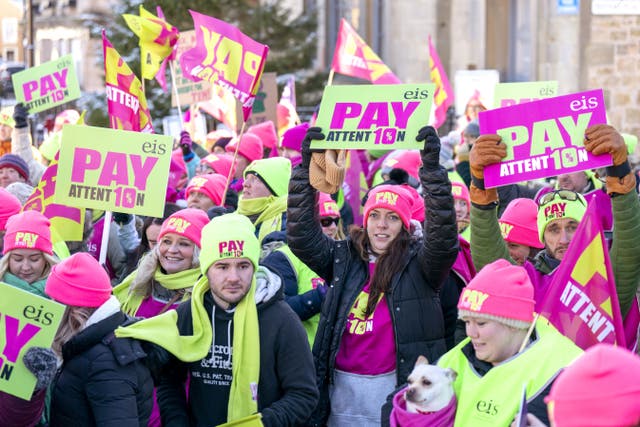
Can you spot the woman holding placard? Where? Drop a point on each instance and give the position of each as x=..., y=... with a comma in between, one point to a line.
x=382, y=308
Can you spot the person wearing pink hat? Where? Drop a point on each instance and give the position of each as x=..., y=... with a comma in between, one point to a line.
x=101, y=375
x=266, y=131
x=519, y=226
x=462, y=204
x=205, y=191
x=330, y=219
x=382, y=309
x=216, y=163
x=407, y=160
x=291, y=143
x=166, y=274
x=9, y=206
x=250, y=150
x=505, y=350
x=27, y=252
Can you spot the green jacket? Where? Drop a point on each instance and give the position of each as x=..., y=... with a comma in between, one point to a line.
x=487, y=245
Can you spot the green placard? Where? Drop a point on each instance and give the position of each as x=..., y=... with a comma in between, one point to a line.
x=507, y=94
x=113, y=170
x=26, y=320
x=380, y=117
x=48, y=85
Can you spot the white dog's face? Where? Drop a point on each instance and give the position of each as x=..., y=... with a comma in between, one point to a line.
x=430, y=387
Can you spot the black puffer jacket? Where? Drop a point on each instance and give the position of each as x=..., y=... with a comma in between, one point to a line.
x=103, y=381
x=413, y=301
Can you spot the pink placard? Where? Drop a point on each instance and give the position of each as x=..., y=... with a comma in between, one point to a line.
x=544, y=138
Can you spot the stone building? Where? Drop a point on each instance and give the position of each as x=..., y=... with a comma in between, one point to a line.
x=11, y=31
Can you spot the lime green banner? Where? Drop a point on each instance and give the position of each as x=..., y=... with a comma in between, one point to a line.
x=48, y=85
x=26, y=320
x=507, y=94
x=113, y=170
x=380, y=117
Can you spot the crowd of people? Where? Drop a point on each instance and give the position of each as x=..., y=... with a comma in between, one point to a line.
x=257, y=299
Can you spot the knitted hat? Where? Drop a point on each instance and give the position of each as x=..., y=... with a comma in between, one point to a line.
x=472, y=130
x=250, y=147
x=6, y=117
x=408, y=160
x=600, y=388
x=327, y=206
x=216, y=135
x=266, y=131
x=274, y=172
x=293, y=137
x=211, y=185
x=461, y=192
x=15, y=162
x=28, y=230
x=501, y=292
x=187, y=223
x=519, y=223
x=392, y=197
x=220, y=163
x=9, y=206
x=229, y=236
x=79, y=281
x=560, y=207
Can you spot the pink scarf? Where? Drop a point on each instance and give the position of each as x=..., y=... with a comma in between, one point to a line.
x=401, y=418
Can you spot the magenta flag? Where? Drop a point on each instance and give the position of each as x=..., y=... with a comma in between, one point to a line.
x=443, y=96
x=224, y=55
x=355, y=185
x=582, y=302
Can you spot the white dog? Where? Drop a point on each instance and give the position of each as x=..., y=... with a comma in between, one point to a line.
x=430, y=387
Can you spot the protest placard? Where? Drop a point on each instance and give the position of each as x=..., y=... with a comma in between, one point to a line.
x=507, y=94
x=26, y=320
x=544, y=138
x=381, y=117
x=113, y=170
x=189, y=92
x=48, y=85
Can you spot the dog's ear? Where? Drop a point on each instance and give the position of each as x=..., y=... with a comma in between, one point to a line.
x=451, y=374
x=421, y=361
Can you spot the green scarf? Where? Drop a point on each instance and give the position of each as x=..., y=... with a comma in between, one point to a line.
x=163, y=331
x=36, y=287
x=131, y=300
x=270, y=209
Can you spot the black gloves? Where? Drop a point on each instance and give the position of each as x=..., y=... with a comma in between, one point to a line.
x=312, y=133
x=431, y=151
x=43, y=364
x=122, y=218
x=20, y=114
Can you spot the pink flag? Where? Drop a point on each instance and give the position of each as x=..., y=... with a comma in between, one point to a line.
x=353, y=57
x=443, y=96
x=126, y=102
x=355, y=185
x=226, y=56
x=582, y=302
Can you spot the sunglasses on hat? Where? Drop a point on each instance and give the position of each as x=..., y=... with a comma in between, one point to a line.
x=326, y=222
x=569, y=195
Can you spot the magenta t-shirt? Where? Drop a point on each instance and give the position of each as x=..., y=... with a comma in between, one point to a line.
x=368, y=345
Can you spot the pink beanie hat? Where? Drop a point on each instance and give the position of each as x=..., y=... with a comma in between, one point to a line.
x=266, y=131
x=519, y=223
x=187, y=223
x=600, y=388
x=220, y=163
x=79, y=281
x=211, y=185
x=9, y=206
x=461, y=192
x=28, y=230
x=408, y=160
x=502, y=292
x=294, y=136
x=392, y=197
x=327, y=206
x=250, y=147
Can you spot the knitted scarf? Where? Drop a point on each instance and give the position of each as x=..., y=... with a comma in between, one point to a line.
x=131, y=300
x=36, y=287
x=270, y=209
x=162, y=330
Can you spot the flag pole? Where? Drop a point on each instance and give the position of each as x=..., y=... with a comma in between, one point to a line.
x=106, y=228
x=331, y=73
x=233, y=163
x=175, y=88
x=529, y=332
